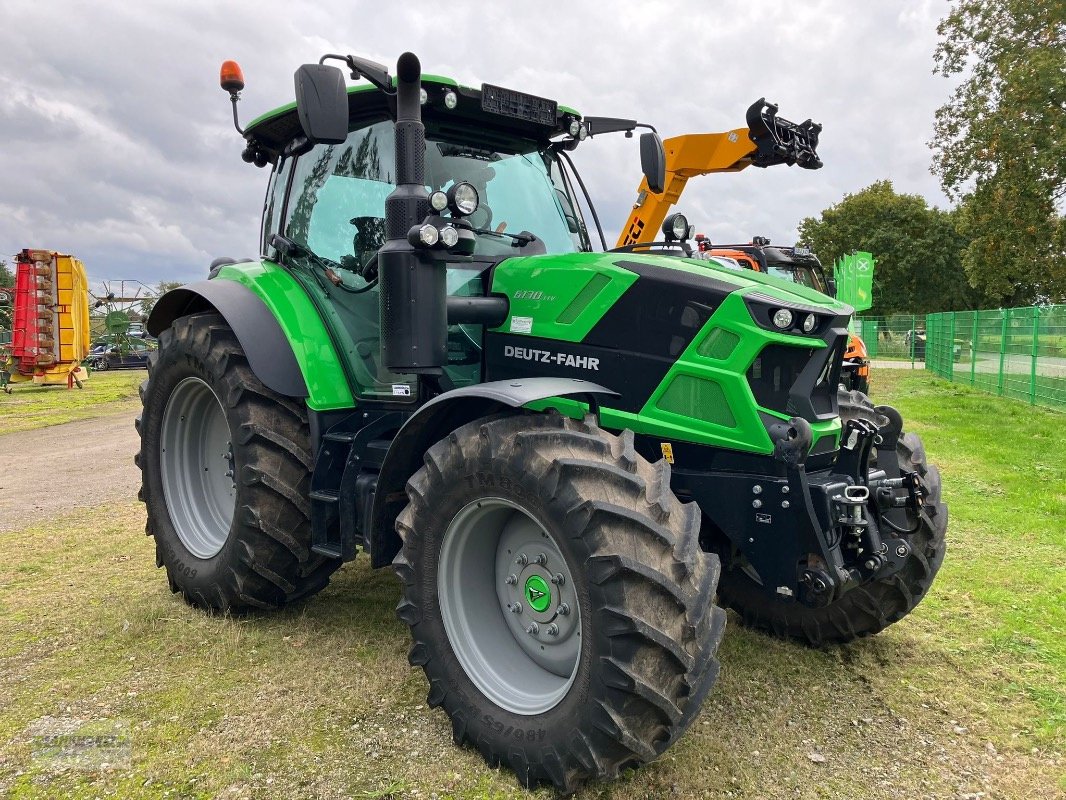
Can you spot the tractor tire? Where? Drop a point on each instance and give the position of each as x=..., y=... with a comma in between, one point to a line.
x=852, y=381
x=225, y=474
x=558, y=599
x=867, y=609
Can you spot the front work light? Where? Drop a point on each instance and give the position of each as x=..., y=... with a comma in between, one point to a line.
x=463, y=199
x=449, y=236
x=809, y=322
x=575, y=128
x=451, y=99
x=783, y=318
x=423, y=235
x=438, y=201
x=675, y=227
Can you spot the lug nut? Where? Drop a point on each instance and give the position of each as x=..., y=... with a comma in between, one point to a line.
x=521, y=560
x=785, y=504
x=512, y=579
x=784, y=490
x=533, y=629
x=756, y=503
x=540, y=558
x=553, y=630
x=562, y=610
x=901, y=550
x=514, y=608
x=756, y=489
x=558, y=579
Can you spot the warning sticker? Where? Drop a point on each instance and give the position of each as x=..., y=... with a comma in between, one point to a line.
x=521, y=324
x=668, y=451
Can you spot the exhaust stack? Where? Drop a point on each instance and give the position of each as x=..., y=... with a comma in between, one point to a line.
x=414, y=325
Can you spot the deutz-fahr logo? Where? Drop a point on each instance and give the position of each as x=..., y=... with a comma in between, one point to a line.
x=549, y=357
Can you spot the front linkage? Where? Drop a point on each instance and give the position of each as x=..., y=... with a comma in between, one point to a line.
x=810, y=537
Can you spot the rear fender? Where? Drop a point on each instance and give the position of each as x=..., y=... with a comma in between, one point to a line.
x=264, y=343
x=434, y=421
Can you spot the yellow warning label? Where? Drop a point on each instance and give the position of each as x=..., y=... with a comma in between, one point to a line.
x=668, y=452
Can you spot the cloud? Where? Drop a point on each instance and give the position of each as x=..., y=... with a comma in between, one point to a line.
x=116, y=143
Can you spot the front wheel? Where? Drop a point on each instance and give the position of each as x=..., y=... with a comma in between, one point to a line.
x=558, y=600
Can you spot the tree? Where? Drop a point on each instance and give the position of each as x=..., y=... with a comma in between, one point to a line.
x=1000, y=143
x=7, y=279
x=161, y=288
x=917, y=248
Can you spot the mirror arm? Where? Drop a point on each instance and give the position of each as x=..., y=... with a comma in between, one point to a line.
x=588, y=198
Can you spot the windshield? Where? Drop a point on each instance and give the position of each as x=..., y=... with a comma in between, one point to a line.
x=805, y=276
x=337, y=205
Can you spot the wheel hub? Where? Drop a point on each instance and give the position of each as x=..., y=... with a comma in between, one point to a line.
x=538, y=595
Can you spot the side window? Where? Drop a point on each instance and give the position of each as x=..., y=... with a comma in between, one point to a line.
x=337, y=207
x=275, y=199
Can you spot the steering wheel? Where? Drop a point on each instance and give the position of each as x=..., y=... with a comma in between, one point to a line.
x=368, y=239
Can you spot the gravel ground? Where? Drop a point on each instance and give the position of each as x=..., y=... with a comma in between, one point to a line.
x=50, y=471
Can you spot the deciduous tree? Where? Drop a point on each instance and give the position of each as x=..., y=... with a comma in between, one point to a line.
x=916, y=247
x=1000, y=143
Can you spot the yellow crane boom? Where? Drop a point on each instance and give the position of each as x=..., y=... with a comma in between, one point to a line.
x=767, y=140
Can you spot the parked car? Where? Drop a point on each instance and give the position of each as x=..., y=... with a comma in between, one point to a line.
x=127, y=354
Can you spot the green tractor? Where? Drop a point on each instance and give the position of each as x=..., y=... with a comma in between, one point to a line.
x=568, y=457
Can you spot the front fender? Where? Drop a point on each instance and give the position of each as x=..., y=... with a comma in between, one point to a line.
x=436, y=419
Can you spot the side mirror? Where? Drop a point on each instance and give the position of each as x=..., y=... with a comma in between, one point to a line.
x=653, y=161
x=832, y=284
x=322, y=103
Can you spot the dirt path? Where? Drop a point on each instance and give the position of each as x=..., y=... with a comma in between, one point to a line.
x=75, y=465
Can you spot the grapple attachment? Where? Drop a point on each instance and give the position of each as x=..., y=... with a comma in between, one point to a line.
x=780, y=141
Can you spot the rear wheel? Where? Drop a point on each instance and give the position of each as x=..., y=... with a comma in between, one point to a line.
x=558, y=600
x=225, y=474
x=866, y=609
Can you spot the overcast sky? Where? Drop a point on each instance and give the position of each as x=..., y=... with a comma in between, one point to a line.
x=116, y=143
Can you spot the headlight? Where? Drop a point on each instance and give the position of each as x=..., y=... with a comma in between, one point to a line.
x=676, y=227
x=789, y=317
x=449, y=236
x=423, y=96
x=583, y=134
x=575, y=128
x=463, y=199
x=451, y=99
x=438, y=201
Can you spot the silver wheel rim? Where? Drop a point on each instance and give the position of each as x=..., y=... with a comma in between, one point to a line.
x=509, y=606
x=196, y=462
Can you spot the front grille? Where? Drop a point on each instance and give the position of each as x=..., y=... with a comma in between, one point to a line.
x=773, y=374
x=798, y=381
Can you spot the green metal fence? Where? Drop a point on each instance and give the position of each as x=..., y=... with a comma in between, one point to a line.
x=1012, y=352
x=897, y=337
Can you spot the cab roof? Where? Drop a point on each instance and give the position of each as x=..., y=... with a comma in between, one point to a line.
x=494, y=116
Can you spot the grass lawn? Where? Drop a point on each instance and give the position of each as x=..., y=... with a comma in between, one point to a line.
x=29, y=407
x=963, y=699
